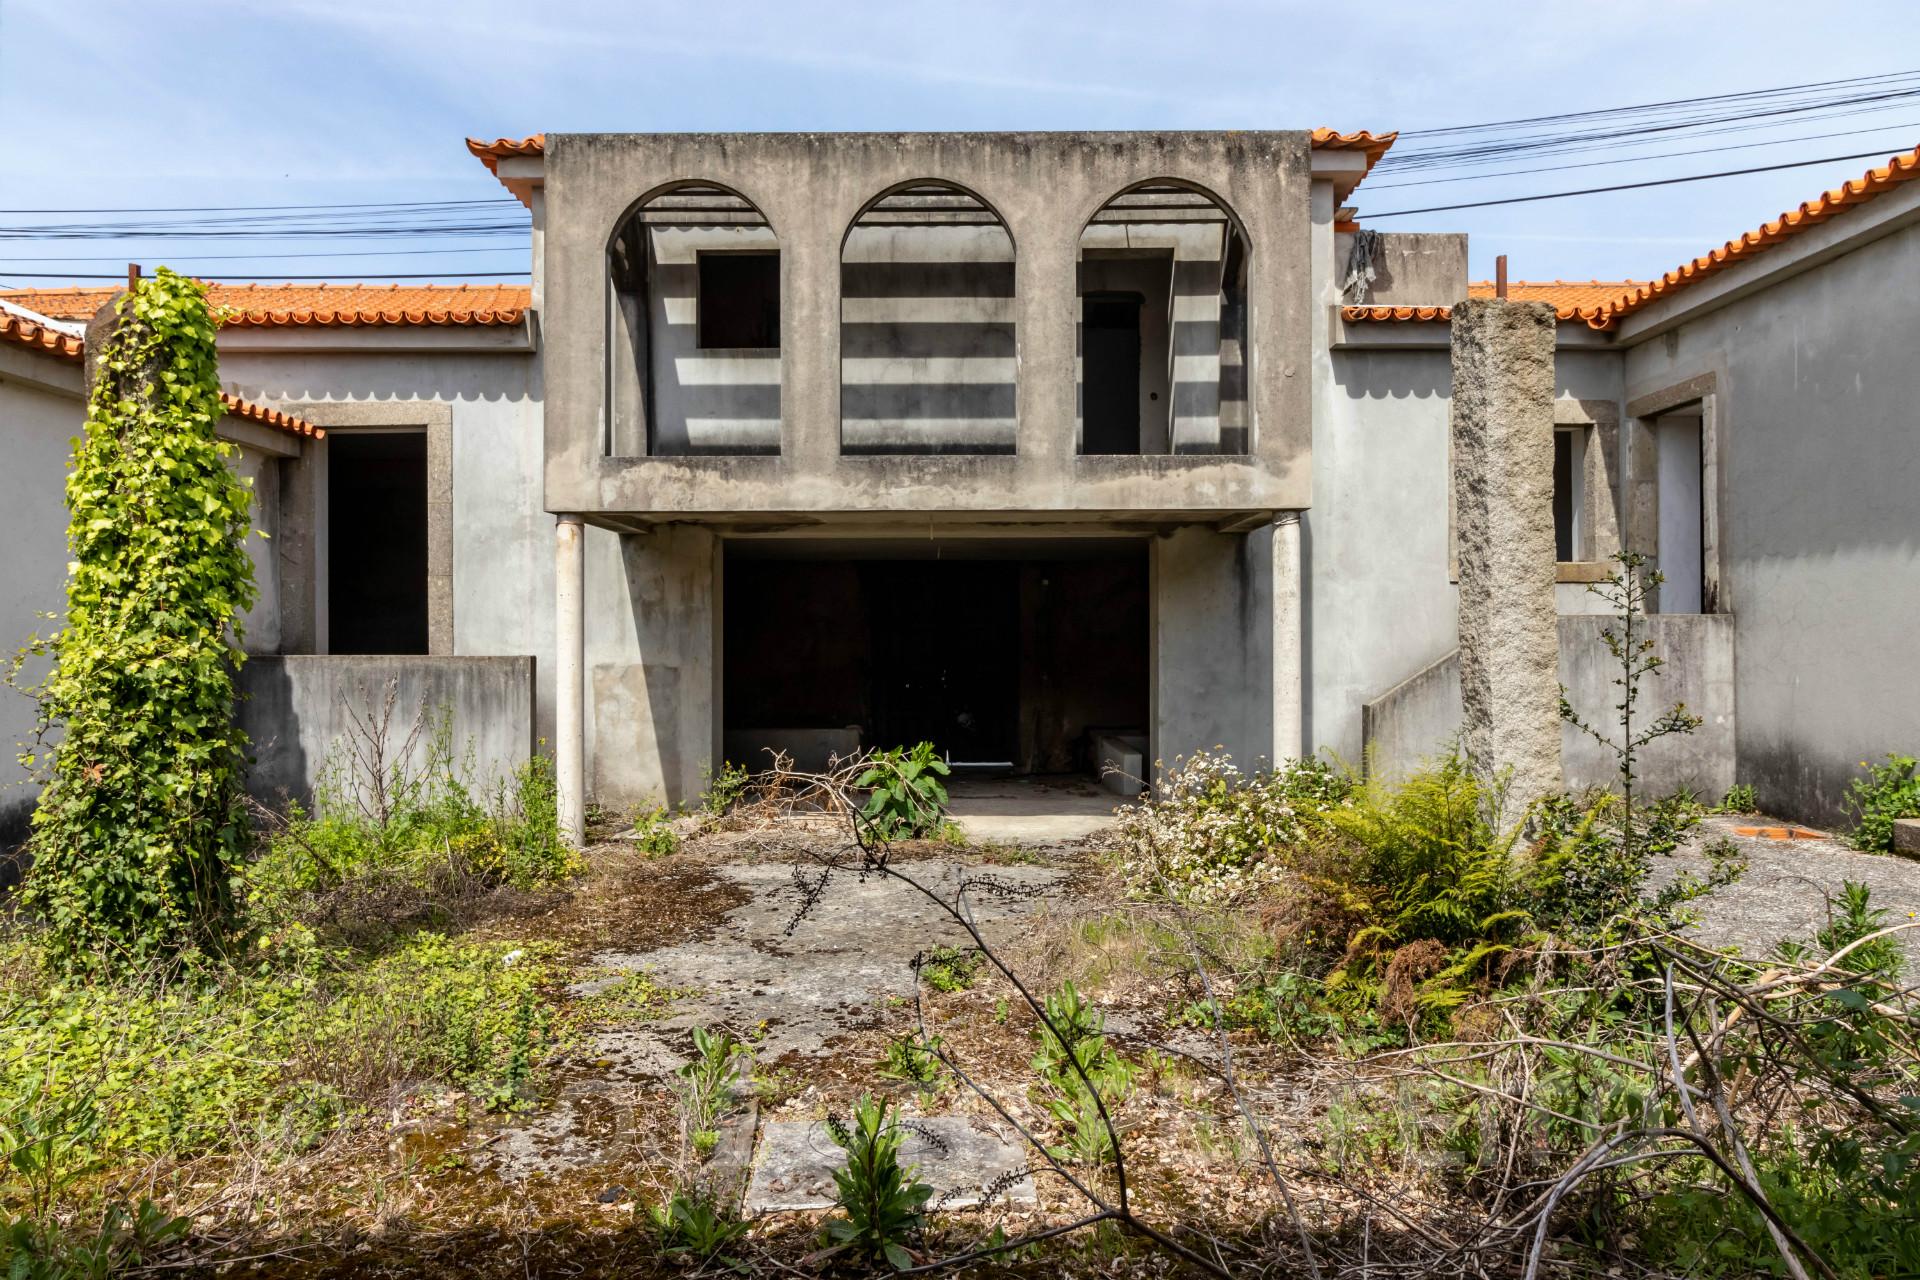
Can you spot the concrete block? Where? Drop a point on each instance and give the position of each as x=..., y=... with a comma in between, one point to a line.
x=811, y=749
x=1503, y=393
x=957, y=1157
x=1121, y=760
x=1906, y=836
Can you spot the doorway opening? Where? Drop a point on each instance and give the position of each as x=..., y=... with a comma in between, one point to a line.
x=1010, y=657
x=1110, y=354
x=377, y=542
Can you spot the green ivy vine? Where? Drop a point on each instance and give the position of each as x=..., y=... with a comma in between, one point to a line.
x=142, y=813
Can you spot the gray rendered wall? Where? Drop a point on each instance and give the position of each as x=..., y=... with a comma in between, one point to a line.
x=1416, y=720
x=503, y=539
x=35, y=428
x=1212, y=664
x=297, y=710
x=1379, y=604
x=1817, y=406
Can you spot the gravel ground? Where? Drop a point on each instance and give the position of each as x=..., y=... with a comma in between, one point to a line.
x=1785, y=889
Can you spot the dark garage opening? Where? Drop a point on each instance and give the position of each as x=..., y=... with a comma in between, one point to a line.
x=1009, y=657
x=377, y=542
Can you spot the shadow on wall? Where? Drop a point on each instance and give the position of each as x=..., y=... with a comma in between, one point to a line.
x=1393, y=375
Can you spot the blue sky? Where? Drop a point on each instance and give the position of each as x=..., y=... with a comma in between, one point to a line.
x=118, y=103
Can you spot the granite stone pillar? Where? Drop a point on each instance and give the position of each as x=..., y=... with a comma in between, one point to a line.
x=1503, y=490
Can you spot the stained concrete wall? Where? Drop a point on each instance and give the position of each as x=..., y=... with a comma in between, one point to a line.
x=502, y=552
x=1417, y=719
x=1817, y=421
x=1411, y=268
x=302, y=711
x=1379, y=602
x=1212, y=643
x=810, y=187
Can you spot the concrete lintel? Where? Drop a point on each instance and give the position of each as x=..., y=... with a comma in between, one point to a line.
x=1202, y=487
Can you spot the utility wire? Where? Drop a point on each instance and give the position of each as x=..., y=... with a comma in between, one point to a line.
x=277, y=257
x=1626, y=186
x=378, y=278
x=1663, y=155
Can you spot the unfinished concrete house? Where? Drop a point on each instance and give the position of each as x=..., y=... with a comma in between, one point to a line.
x=1064, y=452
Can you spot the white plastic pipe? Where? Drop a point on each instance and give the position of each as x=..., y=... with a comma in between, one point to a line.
x=570, y=675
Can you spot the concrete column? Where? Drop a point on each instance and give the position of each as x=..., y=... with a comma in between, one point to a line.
x=1288, y=735
x=1503, y=486
x=570, y=674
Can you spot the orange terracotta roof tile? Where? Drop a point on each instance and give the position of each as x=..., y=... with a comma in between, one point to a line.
x=21, y=330
x=1828, y=204
x=1586, y=300
x=492, y=153
x=280, y=305
x=1602, y=303
x=1576, y=296
x=68, y=347
x=1374, y=144
x=271, y=417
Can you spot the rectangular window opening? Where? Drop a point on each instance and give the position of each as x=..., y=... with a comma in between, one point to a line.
x=740, y=301
x=1569, y=484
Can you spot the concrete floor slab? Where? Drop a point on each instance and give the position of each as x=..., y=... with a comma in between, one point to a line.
x=959, y=1158
x=1030, y=810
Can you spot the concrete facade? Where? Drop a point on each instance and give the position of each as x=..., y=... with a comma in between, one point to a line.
x=1311, y=561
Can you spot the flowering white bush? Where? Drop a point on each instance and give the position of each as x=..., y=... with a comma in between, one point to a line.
x=1207, y=832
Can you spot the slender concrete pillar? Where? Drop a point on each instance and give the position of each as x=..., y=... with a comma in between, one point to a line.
x=1288, y=728
x=1503, y=489
x=570, y=674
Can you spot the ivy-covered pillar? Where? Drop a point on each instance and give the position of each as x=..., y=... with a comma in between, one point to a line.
x=570, y=674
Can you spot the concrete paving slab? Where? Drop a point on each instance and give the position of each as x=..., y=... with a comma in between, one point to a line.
x=830, y=975
x=958, y=1157
x=1030, y=811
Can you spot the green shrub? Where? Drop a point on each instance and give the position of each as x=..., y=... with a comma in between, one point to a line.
x=1427, y=862
x=395, y=826
x=1740, y=799
x=694, y=1226
x=949, y=969
x=1210, y=833
x=914, y=1061
x=725, y=789
x=142, y=813
x=653, y=832
x=277, y=1054
x=881, y=1206
x=1076, y=1099
x=1889, y=791
x=906, y=800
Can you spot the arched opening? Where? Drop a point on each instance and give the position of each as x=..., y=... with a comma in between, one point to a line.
x=693, y=341
x=927, y=325
x=1163, y=325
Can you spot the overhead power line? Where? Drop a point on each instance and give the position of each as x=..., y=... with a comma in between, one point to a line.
x=378, y=277
x=1626, y=186
x=1661, y=155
